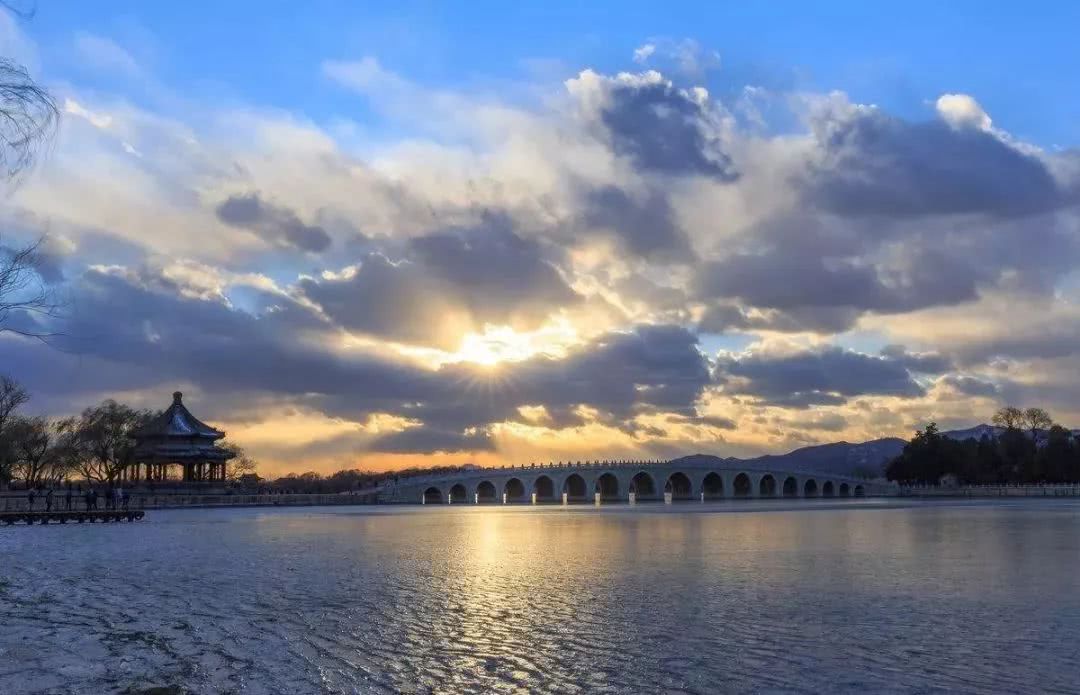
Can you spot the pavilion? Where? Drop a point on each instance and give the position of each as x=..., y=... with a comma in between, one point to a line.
x=178, y=438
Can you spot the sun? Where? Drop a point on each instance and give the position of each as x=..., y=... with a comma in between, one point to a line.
x=499, y=344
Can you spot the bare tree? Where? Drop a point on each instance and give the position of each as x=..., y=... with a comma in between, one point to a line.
x=1009, y=417
x=28, y=118
x=12, y=396
x=31, y=443
x=103, y=437
x=22, y=290
x=1037, y=419
x=242, y=464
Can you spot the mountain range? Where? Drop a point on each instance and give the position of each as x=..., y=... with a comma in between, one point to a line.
x=865, y=459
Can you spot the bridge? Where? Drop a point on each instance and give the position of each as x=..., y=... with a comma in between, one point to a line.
x=688, y=479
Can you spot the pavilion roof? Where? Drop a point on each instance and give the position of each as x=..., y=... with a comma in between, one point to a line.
x=177, y=422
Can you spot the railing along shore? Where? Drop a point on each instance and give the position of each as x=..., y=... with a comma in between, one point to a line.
x=18, y=502
x=1065, y=490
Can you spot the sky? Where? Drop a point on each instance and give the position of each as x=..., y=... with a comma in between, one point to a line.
x=497, y=233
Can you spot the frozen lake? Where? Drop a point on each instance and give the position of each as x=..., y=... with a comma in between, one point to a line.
x=867, y=595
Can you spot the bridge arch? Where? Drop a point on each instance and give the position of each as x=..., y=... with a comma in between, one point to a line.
x=514, y=490
x=859, y=492
x=828, y=489
x=608, y=486
x=845, y=490
x=809, y=488
x=544, y=488
x=679, y=485
x=574, y=486
x=741, y=486
x=459, y=493
x=485, y=491
x=791, y=486
x=767, y=486
x=433, y=495
x=712, y=486
x=643, y=486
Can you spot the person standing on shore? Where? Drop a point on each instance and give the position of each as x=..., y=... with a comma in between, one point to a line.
x=67, y=499
x=31, y=495
x=48, y=499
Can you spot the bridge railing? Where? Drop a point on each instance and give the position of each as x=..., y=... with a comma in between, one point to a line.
x=500, y=470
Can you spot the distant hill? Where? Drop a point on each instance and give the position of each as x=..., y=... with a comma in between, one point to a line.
x=841, y=458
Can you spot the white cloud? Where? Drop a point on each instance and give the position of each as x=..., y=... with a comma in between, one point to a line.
x=962, y=111
x=643, y=52
x=98, y=120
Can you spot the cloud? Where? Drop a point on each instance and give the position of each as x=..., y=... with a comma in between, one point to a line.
x=98, y=120
x=922, y=362
x=821, y=274
x=962, y=111
x=660, y=127
x=642, y=52
x=426, y=441
x=169, y=334
x=964, y=385
x=873, y=163
x=274, y=224
x=684, y=56
x=446, y=284
x=827, y=376
x=645, y=227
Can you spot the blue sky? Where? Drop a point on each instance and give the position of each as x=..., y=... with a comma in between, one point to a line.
x=1018, y=59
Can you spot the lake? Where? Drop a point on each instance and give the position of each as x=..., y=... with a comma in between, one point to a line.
x=755, y=596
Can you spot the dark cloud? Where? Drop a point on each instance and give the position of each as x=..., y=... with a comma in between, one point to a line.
x=721, y=318
x=398, y=301
x=876, y=164
x=922, y=362
x=830, y=422
x=163, y=338
x=970, y=386
x=818, y=377
x=498, y=274
x=819, y=275
x=723, y=423
x=447, y=283
x=275, y=224
x=665, y=129
x=646, y=228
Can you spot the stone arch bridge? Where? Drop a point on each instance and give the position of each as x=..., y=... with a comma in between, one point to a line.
x=624, y=481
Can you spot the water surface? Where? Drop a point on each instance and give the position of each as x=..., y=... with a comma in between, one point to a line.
x=809, y=596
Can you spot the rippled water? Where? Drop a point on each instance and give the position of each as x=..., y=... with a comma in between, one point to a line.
x=806, y=597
